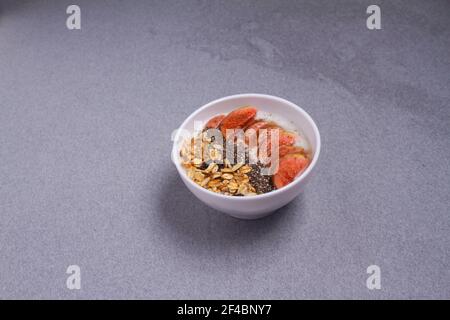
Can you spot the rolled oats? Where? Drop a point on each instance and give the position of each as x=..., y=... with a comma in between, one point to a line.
x=227, y=176
x=197, y=162
x=198, y=176
x=210, y=167
x=205, y=182
x=237, y=166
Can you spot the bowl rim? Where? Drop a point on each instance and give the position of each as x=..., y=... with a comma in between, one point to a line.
x=273, y=193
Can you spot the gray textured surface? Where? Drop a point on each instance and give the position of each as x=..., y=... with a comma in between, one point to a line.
x=85, y=123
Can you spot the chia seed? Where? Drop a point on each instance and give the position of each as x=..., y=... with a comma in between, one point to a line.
x=262, y=183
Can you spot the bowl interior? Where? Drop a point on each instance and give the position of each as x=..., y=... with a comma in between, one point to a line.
x=270, y=104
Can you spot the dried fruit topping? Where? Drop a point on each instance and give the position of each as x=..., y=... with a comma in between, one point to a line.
x=287, y=138
x=237, y=119
x=284, y=150
x=214, y=122
x=256, y=125
x=289, y=167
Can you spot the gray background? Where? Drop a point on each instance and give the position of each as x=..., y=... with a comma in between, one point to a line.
x=86, y=178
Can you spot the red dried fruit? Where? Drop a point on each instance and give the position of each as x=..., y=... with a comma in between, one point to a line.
x=287, y=138
x=251, y=131
x=237, y=119
x=256, y=125
x=214, y=122
x=250, y=123
x=279, y=181
x=289, y=167
x=284, y=150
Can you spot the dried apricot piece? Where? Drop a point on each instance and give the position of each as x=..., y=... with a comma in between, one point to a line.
x=284, y=150
x=214, y=122
x=237, y=119
x=279, y=181
x=287, y=138
x=256, y=125
x=289, y=167
x=251, y=131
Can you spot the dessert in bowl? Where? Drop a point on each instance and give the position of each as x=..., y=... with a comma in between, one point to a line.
x=248, y=154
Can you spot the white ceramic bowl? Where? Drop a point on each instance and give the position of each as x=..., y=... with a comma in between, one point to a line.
x=251, y=207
